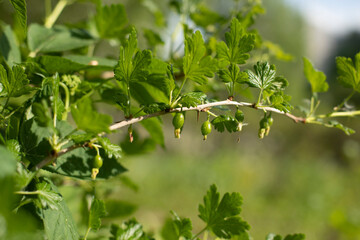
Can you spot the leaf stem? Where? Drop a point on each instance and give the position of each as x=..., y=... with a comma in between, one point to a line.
x=5, y=105
x=179, y=92
x=335, y=114
x=259, y=98
x=338, y=107
x=199, y=233
x=54, y=15
x=87, y=233
x=67, y=100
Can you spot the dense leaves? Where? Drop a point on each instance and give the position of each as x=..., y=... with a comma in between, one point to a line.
x=58, y=87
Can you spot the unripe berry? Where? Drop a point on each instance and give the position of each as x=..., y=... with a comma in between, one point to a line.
x=239, y=115
x=178, y=123
x=206, y=129
x=98, y=161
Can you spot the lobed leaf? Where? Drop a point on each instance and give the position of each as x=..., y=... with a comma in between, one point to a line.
x=132, y=64
x=222, y=217
x=58, y=223
x=237, y=44
x=130, y=230
x=233, y=74
x=182, y=226
x=14, y=82
x=47, y=197
x=111, y=20
x=263, y=77
x=112, y=150
x=197, y=67
x=348, y=72
x=272, y=236
x=20, y=13
x=192, y=99
x=223, y=122
x=97, y=211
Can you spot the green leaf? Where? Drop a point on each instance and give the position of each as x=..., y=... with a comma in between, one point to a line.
x=233, y=74
x=316, y=78
x=238, y=44
x=298, y=236
x=295, y=237
x=197, y=66
x=47, y=196
x=154, y=127
x=204, y=17
x=88, y=119
x=153, y=39
x=20, y=13
x=79, y=162
x=223, y=122
x=132, y=65
x=192, y=99
x=222, y=217
x=130, y=230
x=281, y=101
x=110, y=20
x=73, y=63
x=277, y=51
x=81, y=137
x=112, y=150
x=182, y=226
x=7, y=162
x=8, y=46
x=348, y=72
x=263, y=77
x=93, y=62
x=272, y=236
x=248, y=19
x=58, y=223
x=336, y=124
x=14, y=82
x=56, y=39
x=41, y=113
x=97, y=211
x=155, y=107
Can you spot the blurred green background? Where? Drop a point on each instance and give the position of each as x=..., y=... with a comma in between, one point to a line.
x=299, y=179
